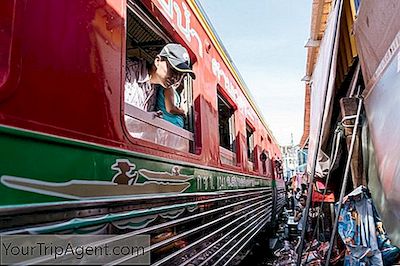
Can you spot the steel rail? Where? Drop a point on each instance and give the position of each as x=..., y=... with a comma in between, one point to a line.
x=26, y=209
x=210, y=235
x=159, y=226
x=219, y=240
x=237, y=243
x=133, y=213
x=187, y=233
x=247, y=241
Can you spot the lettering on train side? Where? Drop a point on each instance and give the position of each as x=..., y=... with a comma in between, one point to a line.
x=169, y=9
x=209, y=183
x=228, y=84
x=232, y=90
x=221, y=183
x=205, y=183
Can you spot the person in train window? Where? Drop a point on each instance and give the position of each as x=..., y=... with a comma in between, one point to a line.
x=169, y=102
x=167, y=70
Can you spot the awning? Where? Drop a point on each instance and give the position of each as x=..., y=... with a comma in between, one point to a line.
x=322, y=83
x=318, y=193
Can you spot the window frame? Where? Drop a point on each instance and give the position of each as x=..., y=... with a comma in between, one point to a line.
x=223, y=151
x=231, y=123
x=148, y=117
x=250, y=128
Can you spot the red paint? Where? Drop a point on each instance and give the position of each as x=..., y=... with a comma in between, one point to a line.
x=66, y=77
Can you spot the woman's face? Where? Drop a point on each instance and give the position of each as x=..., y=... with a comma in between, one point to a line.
x=168, y=76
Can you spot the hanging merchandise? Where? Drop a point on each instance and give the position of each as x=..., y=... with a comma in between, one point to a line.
x=390, y=253
x=362, y=232
x=321, y=193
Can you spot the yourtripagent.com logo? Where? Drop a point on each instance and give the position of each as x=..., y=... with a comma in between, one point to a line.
x=75, y=249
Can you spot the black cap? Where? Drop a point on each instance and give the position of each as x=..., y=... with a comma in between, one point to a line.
x=178, y=57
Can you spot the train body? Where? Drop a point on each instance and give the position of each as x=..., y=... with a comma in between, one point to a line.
x=66, y=145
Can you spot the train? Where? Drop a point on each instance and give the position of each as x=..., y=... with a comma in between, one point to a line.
x=213, y=185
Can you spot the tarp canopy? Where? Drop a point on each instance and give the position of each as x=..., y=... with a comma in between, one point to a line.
x=375, y=28
x=323, y=82
x=378, y=41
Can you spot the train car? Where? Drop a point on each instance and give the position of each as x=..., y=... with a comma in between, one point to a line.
x=76, y=158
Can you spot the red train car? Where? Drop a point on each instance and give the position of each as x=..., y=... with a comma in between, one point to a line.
x=67, y=133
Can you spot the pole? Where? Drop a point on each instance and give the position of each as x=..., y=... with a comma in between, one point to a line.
x=315, y=155
x=344, y=184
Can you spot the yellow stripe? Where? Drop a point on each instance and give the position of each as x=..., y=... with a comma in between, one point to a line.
x=218, y=46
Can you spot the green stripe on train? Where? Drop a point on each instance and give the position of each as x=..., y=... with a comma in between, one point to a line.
x=37, y=168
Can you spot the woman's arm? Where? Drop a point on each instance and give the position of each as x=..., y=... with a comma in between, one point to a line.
x=169, y=103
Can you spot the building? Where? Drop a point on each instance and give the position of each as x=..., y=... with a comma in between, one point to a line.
x=294, y=160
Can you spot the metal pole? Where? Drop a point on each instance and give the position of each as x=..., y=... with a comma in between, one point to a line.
x=336, y=143
x=344, y=184
x=313, y=166
x=335, y=146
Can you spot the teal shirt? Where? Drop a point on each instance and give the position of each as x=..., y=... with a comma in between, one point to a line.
x=160, y=105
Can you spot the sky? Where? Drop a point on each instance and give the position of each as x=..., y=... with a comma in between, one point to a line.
x=265, y=39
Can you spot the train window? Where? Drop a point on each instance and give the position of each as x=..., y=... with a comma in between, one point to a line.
x=226, y=124
x=250, y=143
x=143, y=114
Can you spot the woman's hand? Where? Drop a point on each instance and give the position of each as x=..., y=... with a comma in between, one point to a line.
x=157, y=114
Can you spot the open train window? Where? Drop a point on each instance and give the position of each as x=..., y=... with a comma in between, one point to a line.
x=226, y=124
x=144, y=41
x=250, y=143
x=251, y=151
